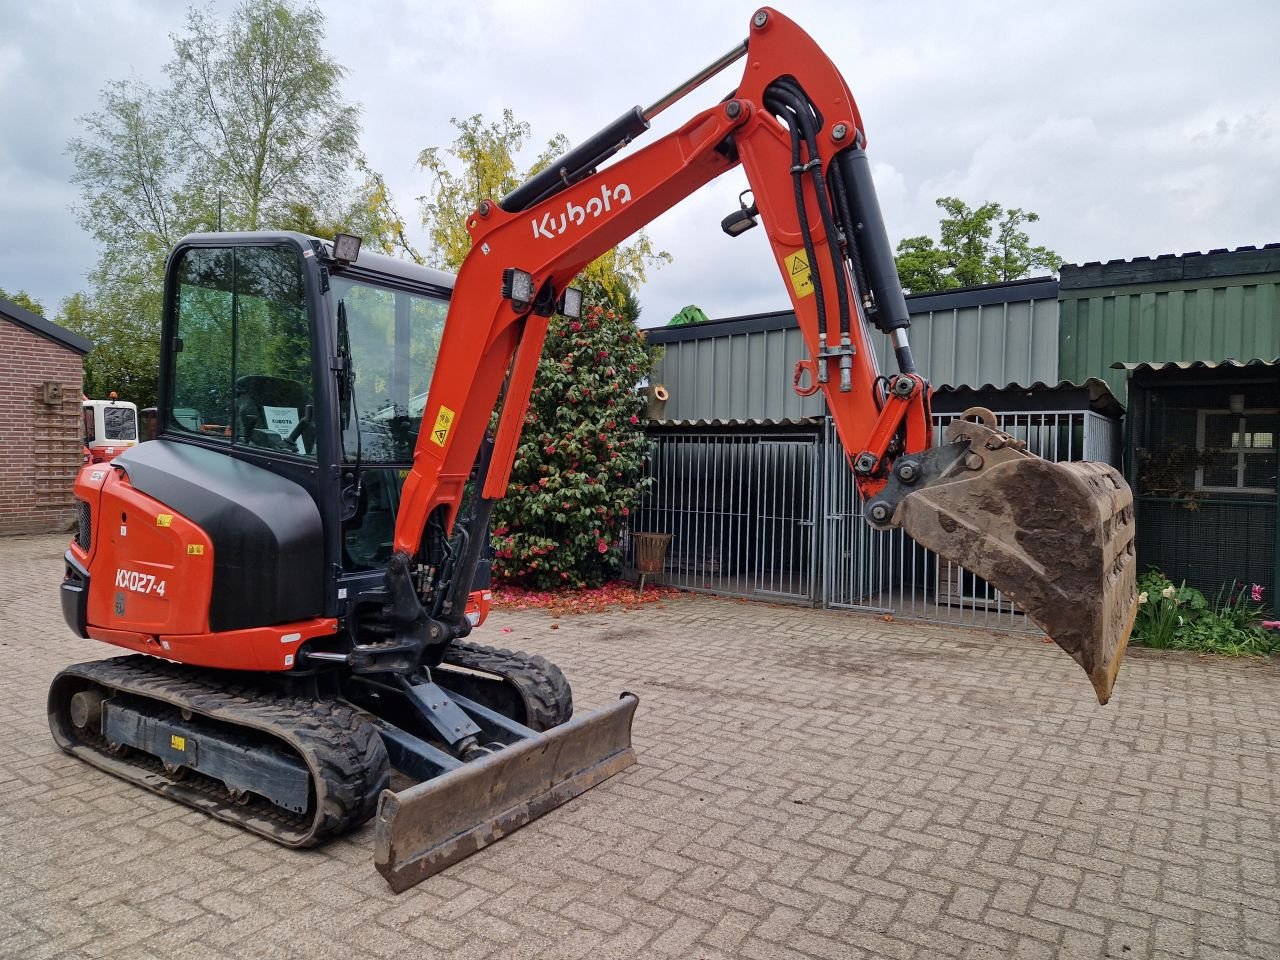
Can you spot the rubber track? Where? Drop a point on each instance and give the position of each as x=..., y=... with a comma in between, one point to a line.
x=542, y=686
x=344, y=753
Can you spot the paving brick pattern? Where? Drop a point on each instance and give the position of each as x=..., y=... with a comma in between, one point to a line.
x=811, y=784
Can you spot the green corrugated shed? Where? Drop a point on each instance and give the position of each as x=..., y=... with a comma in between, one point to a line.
x=1215, y=306
x=741, y=368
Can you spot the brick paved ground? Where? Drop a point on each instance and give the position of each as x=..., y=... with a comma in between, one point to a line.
x=810, y=784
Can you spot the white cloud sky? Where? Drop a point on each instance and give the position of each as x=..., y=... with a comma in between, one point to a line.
x=1132, y=129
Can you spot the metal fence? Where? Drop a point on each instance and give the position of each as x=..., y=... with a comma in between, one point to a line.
x=741, y=508
x=775, y=515
x=886, y=571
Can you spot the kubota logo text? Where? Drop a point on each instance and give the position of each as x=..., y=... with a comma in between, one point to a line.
x=552, y=225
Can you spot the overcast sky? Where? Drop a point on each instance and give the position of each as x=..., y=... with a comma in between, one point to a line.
x=1132, y=129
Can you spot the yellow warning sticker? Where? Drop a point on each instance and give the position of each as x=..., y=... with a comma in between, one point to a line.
x=799, y=272
x=195, y=549
x=164, y=519
x=440, y=432
x=177, y=742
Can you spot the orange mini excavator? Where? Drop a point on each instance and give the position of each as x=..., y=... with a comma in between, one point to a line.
x=290, y=560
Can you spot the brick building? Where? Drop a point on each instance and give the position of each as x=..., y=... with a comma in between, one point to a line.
x=40, y=420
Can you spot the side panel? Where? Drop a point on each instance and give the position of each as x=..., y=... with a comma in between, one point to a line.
x=266, y=531
x=152, y=569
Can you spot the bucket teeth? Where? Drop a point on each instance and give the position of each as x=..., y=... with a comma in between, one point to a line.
x=1055, y=538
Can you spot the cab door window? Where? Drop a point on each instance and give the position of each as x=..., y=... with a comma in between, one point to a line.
x=395, y=336
x=242, y=357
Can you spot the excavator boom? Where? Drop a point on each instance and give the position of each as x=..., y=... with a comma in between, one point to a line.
x=792, y=125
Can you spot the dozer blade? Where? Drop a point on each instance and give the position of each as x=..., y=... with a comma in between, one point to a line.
x=434, y=824
x=1055, y=538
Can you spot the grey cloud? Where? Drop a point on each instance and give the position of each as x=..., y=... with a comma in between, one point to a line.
x=1131, y=134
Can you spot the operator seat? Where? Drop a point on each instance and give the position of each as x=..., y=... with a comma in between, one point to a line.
x=274, y=412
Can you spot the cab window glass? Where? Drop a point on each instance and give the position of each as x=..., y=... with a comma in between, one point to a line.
x=242, y=368
x=119, y=423
x=395, y=337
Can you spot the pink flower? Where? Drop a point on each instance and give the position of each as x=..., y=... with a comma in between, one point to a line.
x=602, y=546
x=634, y=418
x=1257, y=593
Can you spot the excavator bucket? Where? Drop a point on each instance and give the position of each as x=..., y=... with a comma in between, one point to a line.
x=1055, y=538
x=423, y=829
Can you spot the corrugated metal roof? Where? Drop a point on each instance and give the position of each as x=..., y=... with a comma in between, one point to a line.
x=1098, y=393
x=812, y=422
x=988, y=294
x=1172, y=267
x=739, y=377
x=742, y=369
x=1195, y=364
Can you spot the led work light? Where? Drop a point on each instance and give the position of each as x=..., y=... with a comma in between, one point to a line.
x=517, y=286
x=346, y=247
x=571, y=303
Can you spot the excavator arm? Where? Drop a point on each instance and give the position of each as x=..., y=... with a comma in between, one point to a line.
x=1056, y=538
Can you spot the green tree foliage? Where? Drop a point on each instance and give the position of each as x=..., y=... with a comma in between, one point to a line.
x=262, y=108
x=23, y=300
x=579, y=468
x=979, y=245
x=125, y=356
x=249, y=132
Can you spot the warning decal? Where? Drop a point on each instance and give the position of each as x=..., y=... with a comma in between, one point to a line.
x=798, y=269
x=440, y=432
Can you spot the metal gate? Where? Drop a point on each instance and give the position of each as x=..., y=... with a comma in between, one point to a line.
x=743, y=505
x=741, y=508
x=887, y=571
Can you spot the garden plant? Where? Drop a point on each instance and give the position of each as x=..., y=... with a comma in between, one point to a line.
x=1182, y=618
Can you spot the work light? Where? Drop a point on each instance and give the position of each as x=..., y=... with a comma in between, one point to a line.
x=517, y=286
x=346, y=247
x=571, y=303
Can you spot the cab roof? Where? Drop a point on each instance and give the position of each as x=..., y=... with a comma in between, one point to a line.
x=366, y=261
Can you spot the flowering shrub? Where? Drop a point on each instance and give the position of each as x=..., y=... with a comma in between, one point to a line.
x=1181, y=618
x=579, y=468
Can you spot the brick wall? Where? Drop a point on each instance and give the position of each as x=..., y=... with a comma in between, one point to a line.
x=40, y=444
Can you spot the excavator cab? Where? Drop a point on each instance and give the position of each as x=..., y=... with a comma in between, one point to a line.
x=110, y=428
x=289, y=361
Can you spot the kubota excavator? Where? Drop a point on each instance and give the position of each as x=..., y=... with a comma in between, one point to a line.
x=291, y=559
